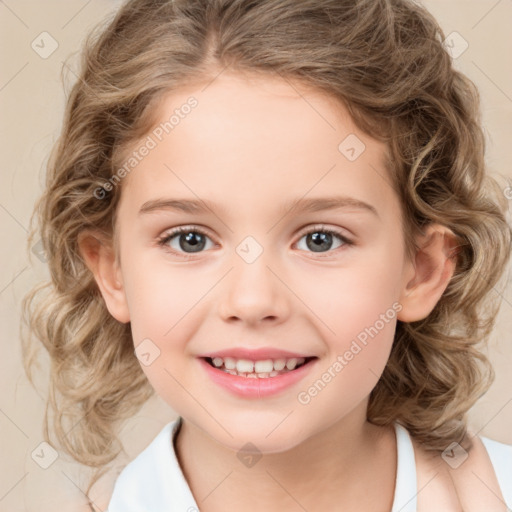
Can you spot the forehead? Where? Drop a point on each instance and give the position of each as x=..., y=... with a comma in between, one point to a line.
x=259, y=142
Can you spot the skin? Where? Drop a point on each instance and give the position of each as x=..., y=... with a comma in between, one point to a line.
x=249, y=146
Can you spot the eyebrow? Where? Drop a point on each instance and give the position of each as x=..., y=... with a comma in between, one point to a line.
x=293, y=206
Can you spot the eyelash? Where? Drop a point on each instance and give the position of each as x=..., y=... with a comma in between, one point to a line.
x=162, y=241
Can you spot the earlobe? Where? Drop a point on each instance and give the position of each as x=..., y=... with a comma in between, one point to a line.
x=431, y=271
x=99, y=256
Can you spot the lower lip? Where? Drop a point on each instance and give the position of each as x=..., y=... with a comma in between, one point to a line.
x=255, y=387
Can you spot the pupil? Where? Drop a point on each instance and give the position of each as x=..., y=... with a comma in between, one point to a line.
x=192, y=239
x=320, y=241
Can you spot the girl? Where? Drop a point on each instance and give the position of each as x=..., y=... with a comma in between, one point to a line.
x=276, y=215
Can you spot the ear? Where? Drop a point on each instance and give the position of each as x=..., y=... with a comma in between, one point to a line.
x=99, y=256
x=428, y=276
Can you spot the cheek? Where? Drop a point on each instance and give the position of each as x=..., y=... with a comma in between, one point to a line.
x=353, y=298
x=357, y=311
x=160, y=294
x=358, y=343
x=165, y=305
x=163, y=302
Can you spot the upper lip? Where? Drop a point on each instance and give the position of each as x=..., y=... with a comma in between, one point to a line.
x=258, y=354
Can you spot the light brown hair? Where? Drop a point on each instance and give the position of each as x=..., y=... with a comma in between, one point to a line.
x=383, y=59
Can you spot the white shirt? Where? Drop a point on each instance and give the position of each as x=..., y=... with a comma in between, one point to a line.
x=154, y=482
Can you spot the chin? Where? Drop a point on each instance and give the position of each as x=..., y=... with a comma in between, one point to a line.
x=269, y=435
x=264, y=445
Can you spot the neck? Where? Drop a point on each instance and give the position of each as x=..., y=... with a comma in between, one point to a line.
x=349, y=466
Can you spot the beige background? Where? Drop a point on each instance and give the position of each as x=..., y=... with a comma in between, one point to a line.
x=32, y=102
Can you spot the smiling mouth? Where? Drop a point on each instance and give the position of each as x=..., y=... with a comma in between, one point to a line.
x=263, y=369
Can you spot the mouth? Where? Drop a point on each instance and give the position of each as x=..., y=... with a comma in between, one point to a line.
x=260, y=369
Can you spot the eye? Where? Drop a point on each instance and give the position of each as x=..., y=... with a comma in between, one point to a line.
x=190, y=239
x=320, y=237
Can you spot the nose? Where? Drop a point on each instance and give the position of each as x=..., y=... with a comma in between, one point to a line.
x=254, y=292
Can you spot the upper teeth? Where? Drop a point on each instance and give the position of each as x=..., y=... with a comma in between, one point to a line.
x=263, y=366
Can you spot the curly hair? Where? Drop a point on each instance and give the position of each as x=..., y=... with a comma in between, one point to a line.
x=386, y=61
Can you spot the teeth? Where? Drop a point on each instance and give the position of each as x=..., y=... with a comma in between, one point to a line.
x=264, y=366
x=257, y=369
x=229, y=363
x=279, y=364
x=291, y=363
x=244, y=366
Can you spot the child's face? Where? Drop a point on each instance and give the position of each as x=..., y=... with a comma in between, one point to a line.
x=249, y=149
